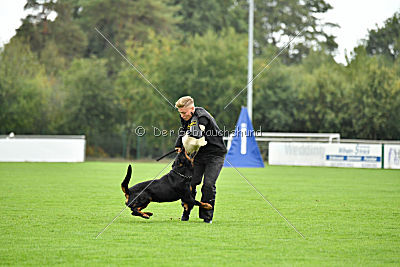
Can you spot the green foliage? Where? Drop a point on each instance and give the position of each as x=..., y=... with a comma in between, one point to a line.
x=320, y=91
x=208, y=67
x=273, y=108
x=140, y=101
x=24, y=90
x=52, y=60
x=35, y=27
x=375, y=95
x=357, y=101
x=322, y=96
x=62, y=77
x=276, y=22
x=212, y=69
x=41, y=8
x=123, y=20
x=385, y=40
x=199, y=17
x=90, y=105
x=63, y=37
x=69, y=37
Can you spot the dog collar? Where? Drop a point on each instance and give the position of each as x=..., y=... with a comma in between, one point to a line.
x=184, y=176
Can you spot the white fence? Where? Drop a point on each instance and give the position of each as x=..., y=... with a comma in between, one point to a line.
x=323, y=154
x=50, y=148
x=391, y=156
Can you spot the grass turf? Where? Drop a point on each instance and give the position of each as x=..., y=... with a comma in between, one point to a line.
x=52, y=212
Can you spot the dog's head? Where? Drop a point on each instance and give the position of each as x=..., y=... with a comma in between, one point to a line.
x=183, y=164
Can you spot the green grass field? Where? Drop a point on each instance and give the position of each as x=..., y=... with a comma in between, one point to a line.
x=52, y=212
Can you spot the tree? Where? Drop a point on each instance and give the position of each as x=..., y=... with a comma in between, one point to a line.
x=321, y=104
x=208, y=67
x=35, y=27
x=386, y=40
x=63, y=34
x=24, y=90
x=199, y=17
x=274, y=99
x=374, y=96
x=122, y=20
x=212, y=69
x=73, y=30
x=275, y=22
x=45, y=8
x=143, y=105
x=66, y=33
x=90, y=105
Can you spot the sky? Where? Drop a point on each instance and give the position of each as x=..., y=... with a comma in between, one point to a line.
x=355, y=18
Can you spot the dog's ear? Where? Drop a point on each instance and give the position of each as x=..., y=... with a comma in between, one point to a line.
x=176, y=161
x=188, y=160
x=181, y=159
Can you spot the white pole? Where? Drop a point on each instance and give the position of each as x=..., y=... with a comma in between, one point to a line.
x=250, y=62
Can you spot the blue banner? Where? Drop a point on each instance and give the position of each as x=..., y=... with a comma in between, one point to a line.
x=244, y=150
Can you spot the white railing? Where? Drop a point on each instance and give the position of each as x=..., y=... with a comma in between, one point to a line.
x=291, y=137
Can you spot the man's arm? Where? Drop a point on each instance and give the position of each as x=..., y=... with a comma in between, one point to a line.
x=203, y=121
x=178, y=143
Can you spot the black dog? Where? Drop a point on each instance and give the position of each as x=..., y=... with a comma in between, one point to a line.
x=171, y=187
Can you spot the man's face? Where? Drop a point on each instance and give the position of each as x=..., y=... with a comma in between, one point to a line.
x=186, y=112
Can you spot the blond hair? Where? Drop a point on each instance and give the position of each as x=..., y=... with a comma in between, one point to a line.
x=184, y=101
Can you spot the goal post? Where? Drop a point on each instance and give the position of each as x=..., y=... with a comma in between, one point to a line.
x=291, y=137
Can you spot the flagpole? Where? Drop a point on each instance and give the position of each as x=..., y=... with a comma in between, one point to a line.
x=250, y=62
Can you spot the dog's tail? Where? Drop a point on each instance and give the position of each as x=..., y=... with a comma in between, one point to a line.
x=125, y=182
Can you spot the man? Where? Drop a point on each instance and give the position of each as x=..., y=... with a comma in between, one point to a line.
x=209, y=159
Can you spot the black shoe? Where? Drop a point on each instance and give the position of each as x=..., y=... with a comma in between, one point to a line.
x=207, y=221
x=185, y=216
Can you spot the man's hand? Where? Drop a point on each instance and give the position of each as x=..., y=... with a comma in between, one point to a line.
x=178, y=149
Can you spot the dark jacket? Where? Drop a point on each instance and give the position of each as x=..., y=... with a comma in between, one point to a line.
x=213, y=135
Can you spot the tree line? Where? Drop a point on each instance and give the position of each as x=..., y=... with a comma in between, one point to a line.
x=62, y=77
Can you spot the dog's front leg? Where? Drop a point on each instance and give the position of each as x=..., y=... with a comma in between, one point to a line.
x=185, y=206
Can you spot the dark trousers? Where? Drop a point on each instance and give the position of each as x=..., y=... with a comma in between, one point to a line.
x=209, y=168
